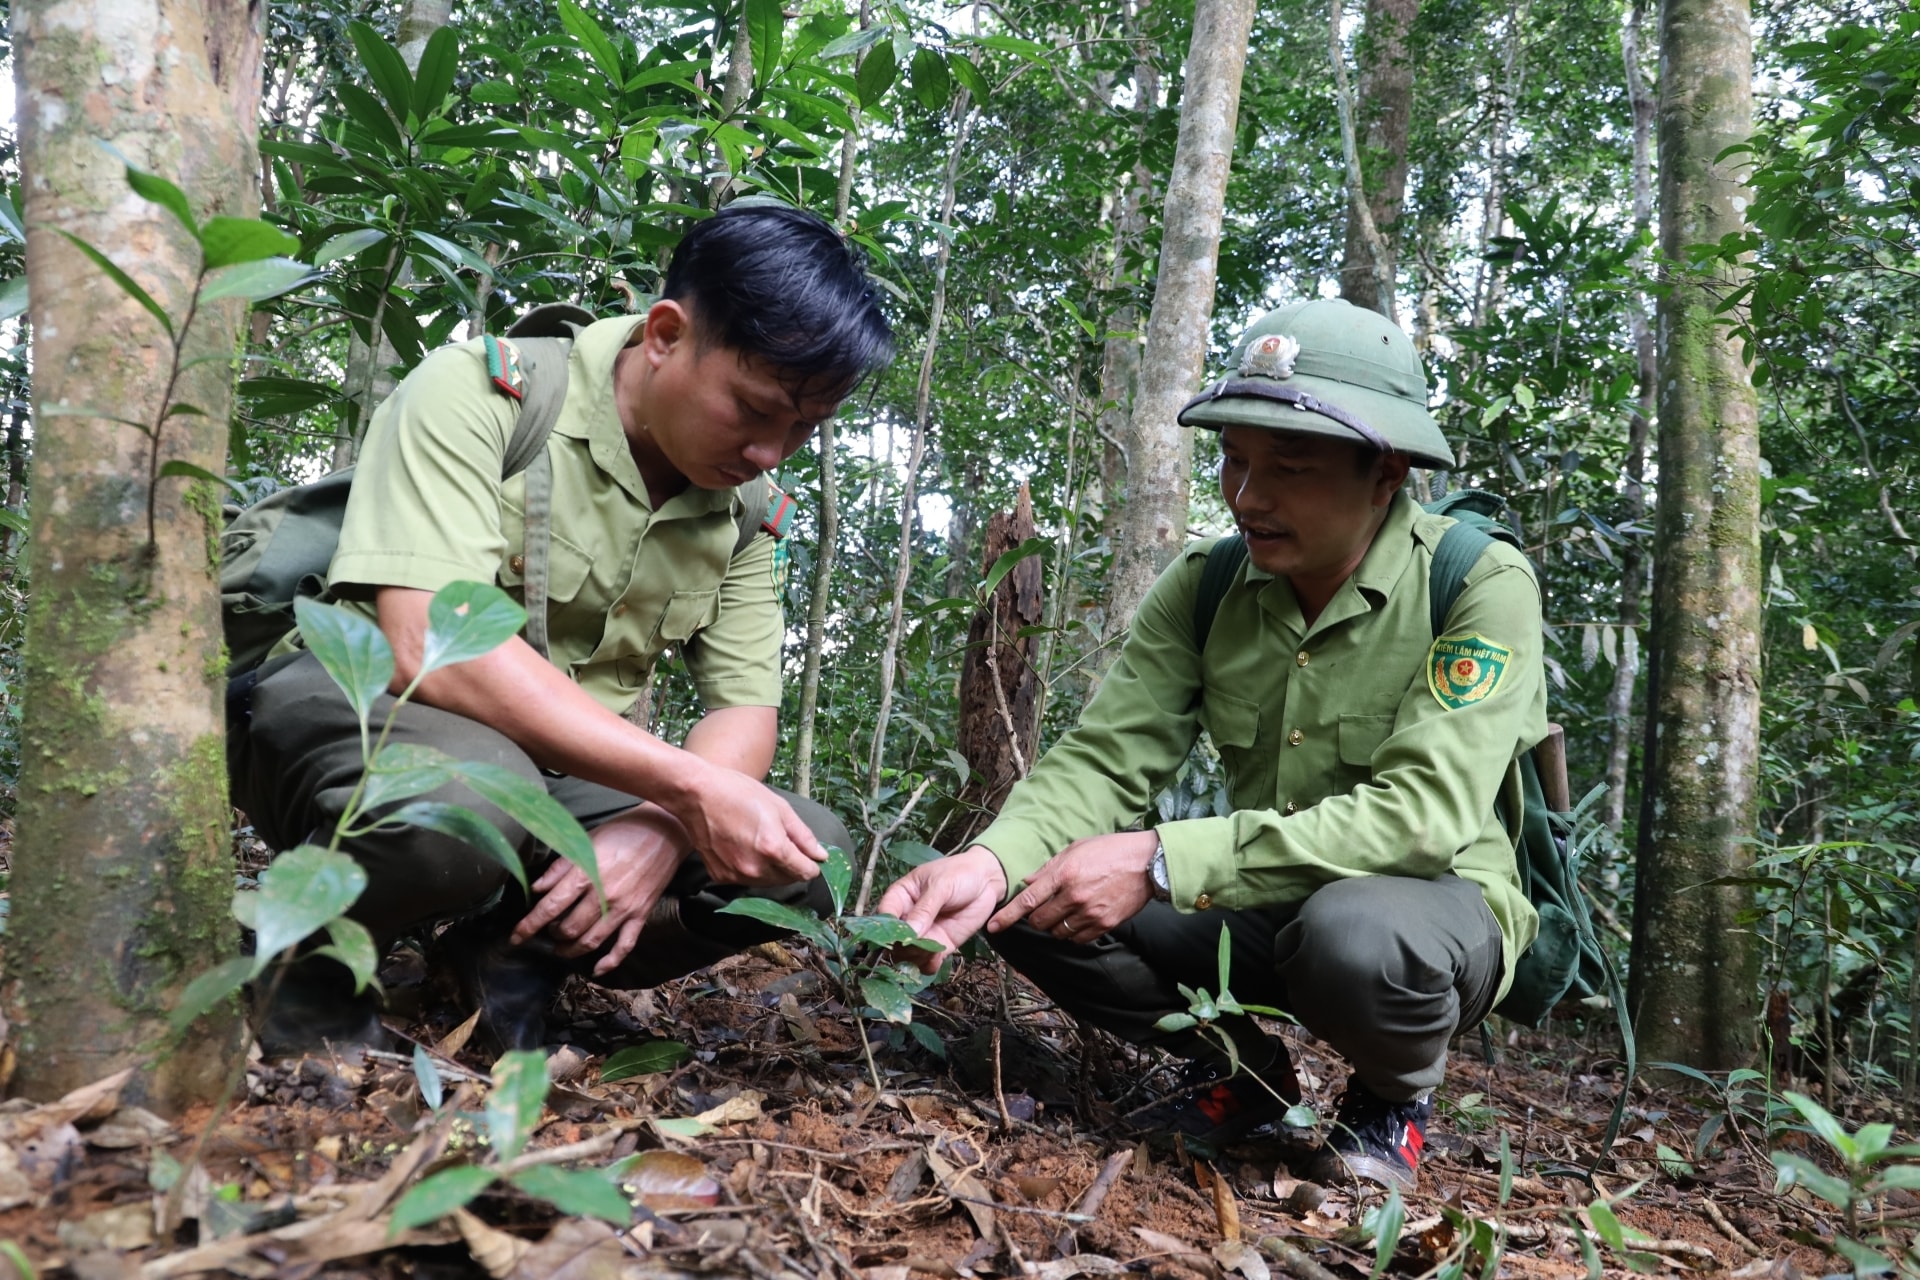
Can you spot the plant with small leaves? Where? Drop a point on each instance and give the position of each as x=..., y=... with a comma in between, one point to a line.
x=1603, y=1221
x=1204, y=1012
x=858, y=952
x=1870, y=1166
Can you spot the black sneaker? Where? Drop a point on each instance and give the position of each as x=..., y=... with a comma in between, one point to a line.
x=1375, y=1140
x=313, y=1009
x=513, y=986
x=1218, y=1105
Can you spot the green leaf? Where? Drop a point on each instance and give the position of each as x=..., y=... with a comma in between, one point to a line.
x=10, y=225
x=1797, y=1169
x=462, y=823
x=466, y=620
x=970, y=78
x=514, y=1106
x=303, y=889
x=434, y=80
x=434, y=1198
x=876, y=75
x=13, y=298
x=1176, y=1022
x=1905, y=1177
x=1866, y=1260
x=1607, y=1226
x=838, y=872
x=121, y=278
x=365, y=110
x=582, y=27
x=644, y=1060
x=225, y=241
x=1822, y=1122
x=351, y=647
x=151, y=186
x=579, y=1193
x=385, y=67
x=494, y=93
x=1386, y=1223
x=880, y=931
x=256, y=281
x=1004, y=565
x=912, y=853
x=456, y=253
x=932, y=84
x=209, y=989
x=928, y=1039
x=402, y=770
x=886, y=995
x=353, y=947
x=852, y=42
x=432, y=1091
x=766, y=25
x=777, y=914
x=179, y=467
x=682, y=1127
x=17, y=1256
x=346, y=244
x=545, y=818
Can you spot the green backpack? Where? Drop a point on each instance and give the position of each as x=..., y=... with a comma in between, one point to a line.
x=1566, y=959
x=279, y=548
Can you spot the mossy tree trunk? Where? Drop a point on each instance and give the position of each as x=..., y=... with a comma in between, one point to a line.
x=1160, y=452
x=1694, y=962
x=121, y=868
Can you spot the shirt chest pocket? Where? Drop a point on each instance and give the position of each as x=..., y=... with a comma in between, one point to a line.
x=569, y=565
x=1360, y=737
x=685, y=614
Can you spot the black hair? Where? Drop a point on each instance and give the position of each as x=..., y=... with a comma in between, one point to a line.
x=781, y=284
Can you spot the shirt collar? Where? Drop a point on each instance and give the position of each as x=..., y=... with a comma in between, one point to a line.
x=1379, y=570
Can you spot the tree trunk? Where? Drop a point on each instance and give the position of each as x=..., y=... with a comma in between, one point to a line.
x=1385, y=111
x=122, y=873
x=1159, y=451
x=1694, y=963
x=999, y=689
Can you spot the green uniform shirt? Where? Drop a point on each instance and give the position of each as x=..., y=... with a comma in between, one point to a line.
x=428, y=508
x=1342, y=759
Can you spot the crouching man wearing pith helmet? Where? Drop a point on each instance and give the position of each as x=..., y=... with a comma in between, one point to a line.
x=1365, y=875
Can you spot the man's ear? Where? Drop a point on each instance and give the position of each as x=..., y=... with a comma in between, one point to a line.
x=668, y=325
x=1392, y=473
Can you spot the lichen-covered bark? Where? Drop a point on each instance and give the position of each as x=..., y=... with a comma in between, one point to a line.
x=1694, y=966
x=1385, y=116
x=1159, y=452
x=121, y=867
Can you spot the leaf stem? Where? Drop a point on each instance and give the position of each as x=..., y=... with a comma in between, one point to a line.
x=155, y=435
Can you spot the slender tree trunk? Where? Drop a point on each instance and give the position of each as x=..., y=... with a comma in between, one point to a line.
x=1159, y=451
x=1385, y=110
x=1490, y=277
x=1633, y=560
x=122, y=874
x=1694, y=964
x=733, y=93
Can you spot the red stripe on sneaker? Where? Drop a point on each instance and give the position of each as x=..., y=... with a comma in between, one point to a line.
x=1411, y=1144
x=1218, y=1103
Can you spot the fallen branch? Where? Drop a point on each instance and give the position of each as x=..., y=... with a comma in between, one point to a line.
x=1712, y=1213
x=1295, y=1259
x=1096, y=1195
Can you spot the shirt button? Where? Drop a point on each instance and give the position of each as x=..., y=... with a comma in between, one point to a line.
x=518, y=564
x=620, y=609
x=1295, y=738
x=1203, y=903
x=1300, y=659
x=1292, y=807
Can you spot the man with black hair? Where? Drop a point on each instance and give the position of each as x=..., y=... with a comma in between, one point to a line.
x=765, y=323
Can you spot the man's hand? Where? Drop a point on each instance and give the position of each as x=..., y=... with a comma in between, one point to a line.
x=638, y=853
x=745, y=833
x=1086, y=889
x=946, y=901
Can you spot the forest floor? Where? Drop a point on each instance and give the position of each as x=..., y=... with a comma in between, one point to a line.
x=1005, y=1159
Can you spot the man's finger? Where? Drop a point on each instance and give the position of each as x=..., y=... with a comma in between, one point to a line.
x=559, y=869
x=622, y=946
x=802, y=836
x=549, y=908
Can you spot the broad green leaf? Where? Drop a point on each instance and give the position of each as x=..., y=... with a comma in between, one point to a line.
x=434, y=1198
x=1822, y=1122
x=682, y=1127
x=432, y=1090
x=582, y=27
x=932, y=85
x=1866, y=1260
x=434, y=80
x=151, y=186
x=1906, y=1177
x=970, y=78
x=528, y=804
x=852, y=42
x=494, y=93
x=838, y=872
x=886, y=995
x=256, y=281
x=209, y=989
x=876, y=75
x=462, y=823
x=1176, y=1022
x=13, y=298
x=1607, y=1226
x=351, y=647
x=121, y=278
x=303, y=889
x=579, y=1193
x=1300, y=1116
x=364, y=110
x=644, y=1060
x=225, y=241
x=346, y=244
x=777, y=914
x=456, y=253
x=912, y=853
x=10, y=225
x=766, y=25
x=402, y=770
x=513, y=1107
x=1386, y=1223
x=929, y=1039
x=353, y=947
x=466, y=620
x=385, y=67
x=1797, y=1169
x=879, y=931
x=1004, y=565
x=179, y=467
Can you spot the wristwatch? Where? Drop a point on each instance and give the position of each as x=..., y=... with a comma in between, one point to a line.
x=1158, y=880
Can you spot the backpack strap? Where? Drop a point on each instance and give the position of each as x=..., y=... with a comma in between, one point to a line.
x=1223, y=565
x=1461, y=547
x=537, y=367
x=756, y=497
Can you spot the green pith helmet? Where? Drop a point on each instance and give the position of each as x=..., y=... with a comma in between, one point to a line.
x=1326, y=368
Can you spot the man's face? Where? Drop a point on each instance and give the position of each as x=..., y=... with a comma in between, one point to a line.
x=719, y=419
x=1306, y=505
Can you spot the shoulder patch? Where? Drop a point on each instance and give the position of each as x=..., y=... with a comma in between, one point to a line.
x=503, y=367
x=779, y=521
x=1462, y=670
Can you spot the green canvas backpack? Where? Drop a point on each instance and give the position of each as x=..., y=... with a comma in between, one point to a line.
x=279, y=548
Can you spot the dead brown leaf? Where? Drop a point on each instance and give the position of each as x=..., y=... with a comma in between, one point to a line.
x=672, y=1180
x=576, y=1249
x=492, y=1248
x=456, y=1040
x=966, y=1189
x=742, y=1108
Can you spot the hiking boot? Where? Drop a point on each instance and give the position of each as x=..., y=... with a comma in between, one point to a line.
x=1217, y=1104
x=1375, y=1140
x=512, y=986
x=313, y=1009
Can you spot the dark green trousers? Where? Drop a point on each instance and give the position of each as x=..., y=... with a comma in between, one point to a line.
x=293, y=758
x=1383, y=968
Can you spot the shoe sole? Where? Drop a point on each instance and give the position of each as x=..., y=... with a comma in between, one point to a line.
x=1335, y=1167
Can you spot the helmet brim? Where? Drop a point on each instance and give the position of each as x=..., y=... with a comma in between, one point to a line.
x=1405, y=426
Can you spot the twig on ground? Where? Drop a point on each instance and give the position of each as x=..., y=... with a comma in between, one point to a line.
x=1295, y=1259
x=1727, y=1229
x=1096, y=1195
x=999, y=1091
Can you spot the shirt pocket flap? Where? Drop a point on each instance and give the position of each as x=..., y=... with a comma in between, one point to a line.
x=686, y=613
x=1230, y=721
x=1361, y=736
x=568, y=566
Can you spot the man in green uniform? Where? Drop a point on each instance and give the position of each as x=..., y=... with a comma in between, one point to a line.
x=1365, y=874
x=766, y=322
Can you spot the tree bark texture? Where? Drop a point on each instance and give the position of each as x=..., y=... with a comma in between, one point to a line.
x=1694, y=965
x=122, y=873
x=999, y=688
x=1383, y=117
x=1159, y=451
